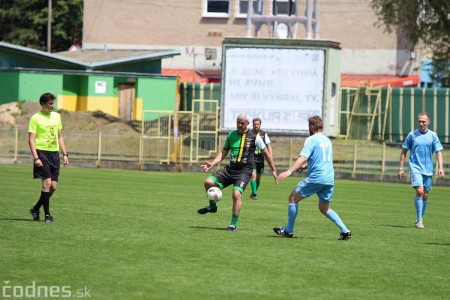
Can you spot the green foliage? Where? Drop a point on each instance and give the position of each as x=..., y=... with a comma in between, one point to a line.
x=25, y=23
x=421, y=20
x=137, y=235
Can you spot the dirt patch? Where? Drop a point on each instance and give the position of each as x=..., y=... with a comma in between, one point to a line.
x=8, y=112
x=19, y=113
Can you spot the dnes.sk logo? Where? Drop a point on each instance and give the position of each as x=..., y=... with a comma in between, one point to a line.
x=15, y=291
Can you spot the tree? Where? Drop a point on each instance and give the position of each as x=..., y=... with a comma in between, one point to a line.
x=426, y=21
x=24, y=23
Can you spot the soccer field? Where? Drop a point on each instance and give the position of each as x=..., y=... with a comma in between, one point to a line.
x=121, y=234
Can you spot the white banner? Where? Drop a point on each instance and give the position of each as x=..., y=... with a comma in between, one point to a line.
x=284, y=87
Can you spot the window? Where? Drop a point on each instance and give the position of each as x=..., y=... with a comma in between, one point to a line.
x=282, y=7
x=242, y=6
x=210, y=53
x=216, y=8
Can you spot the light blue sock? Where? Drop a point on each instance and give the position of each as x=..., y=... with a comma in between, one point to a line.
x=292, y=215
x=334, y=217
x=418, y=203
x=424, y=206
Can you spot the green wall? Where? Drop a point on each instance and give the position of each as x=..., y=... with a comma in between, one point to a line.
x=33, y=85
x=157, y=93
x=72, y=84
x=189, y=91
x=109, y=80
x=9, y=89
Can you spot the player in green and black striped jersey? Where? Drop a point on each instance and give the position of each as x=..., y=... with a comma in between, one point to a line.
x=258, y=169
x=241, y=144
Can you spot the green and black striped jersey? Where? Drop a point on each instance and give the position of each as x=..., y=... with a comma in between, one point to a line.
x=242, y=148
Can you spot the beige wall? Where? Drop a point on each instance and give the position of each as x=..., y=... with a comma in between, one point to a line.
x=179, y=25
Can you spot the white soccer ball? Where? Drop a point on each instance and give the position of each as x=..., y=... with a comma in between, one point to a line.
x=214, y=194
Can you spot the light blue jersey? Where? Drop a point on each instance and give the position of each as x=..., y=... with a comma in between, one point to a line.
x=422, y=145
x=319, y=152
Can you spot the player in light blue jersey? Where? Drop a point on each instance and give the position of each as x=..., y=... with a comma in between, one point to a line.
x=422, y=143
x=317, y=156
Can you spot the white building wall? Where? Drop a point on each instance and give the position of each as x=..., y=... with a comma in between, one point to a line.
x=179, y=25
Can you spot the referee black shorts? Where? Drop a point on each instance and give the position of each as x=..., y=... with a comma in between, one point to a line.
x=51, y=165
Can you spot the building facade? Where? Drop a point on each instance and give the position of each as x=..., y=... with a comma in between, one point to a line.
x=123, y=84
x=197, y=28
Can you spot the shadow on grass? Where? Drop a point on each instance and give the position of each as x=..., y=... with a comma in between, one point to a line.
x=269, y=236
x=17, y=219
x=209, y=228
x=285, y=238
x=395, y=226
x=438, y=244
x=294, y=237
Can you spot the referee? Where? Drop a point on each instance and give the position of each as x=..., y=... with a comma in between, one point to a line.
x=45, y=139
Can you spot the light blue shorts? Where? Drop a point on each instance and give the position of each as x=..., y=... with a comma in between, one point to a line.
x=305, y=189
x=417, y=179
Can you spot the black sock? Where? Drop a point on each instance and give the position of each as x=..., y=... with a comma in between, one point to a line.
x=40, y=202
x=45, y=196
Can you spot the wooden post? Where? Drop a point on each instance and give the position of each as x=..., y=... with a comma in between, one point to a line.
x=383, y=161
x=49, y=27
x=99, y=149
x=355, y=149
x=16, y=145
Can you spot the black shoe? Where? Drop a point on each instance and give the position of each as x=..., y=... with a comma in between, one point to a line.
x=345, y=235
x=207, y=209
x=49, y=219
x=35, y=214
x=231, y=228
x=280, y=231
x=254, y=197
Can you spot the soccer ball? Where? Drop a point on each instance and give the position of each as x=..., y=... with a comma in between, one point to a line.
x=214, y=194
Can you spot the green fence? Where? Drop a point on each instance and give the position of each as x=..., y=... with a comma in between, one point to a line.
x=352, y=159
x=395, y=115
x=382, y=116
x=389, y=119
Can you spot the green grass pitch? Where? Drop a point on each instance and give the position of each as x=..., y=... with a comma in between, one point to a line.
x=121, y=234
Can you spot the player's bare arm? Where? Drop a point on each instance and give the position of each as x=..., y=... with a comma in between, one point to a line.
x=268, y=156
x=31, y=143
x=269, y=149
x=400, y=172
x=300, y=162
x=219, y=157
x=302, y=167
x=441, y=172
x=62, y=145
